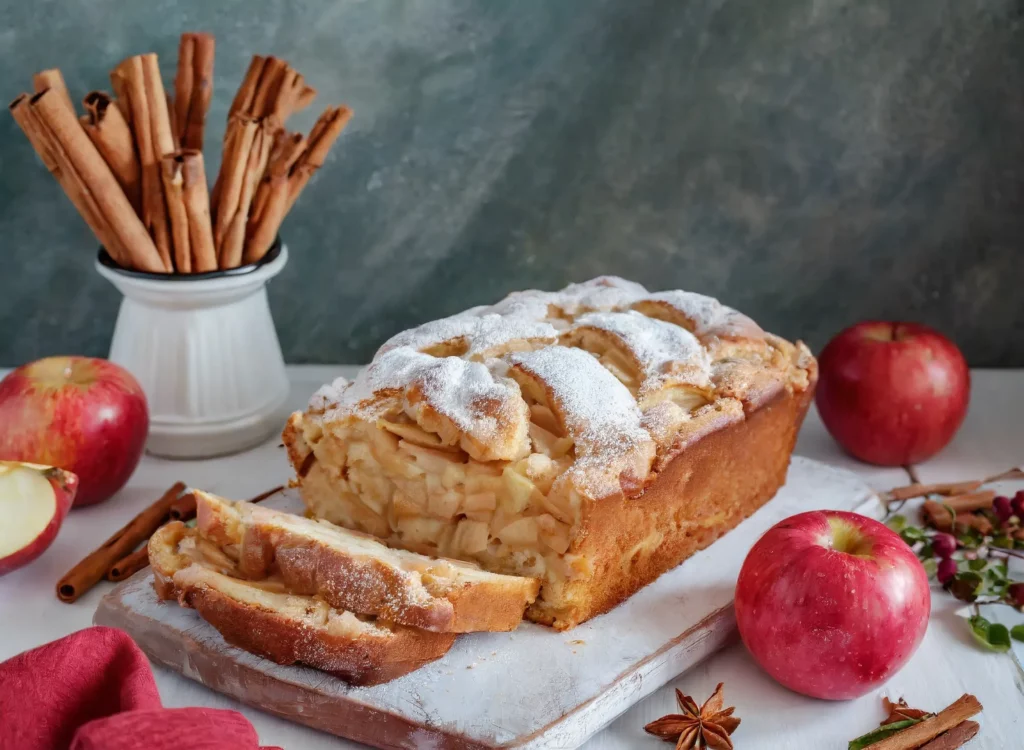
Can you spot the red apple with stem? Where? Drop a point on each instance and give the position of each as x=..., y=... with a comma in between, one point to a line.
x=832, y=604
x=88, y=416
x=892, y=393
x=33, y=503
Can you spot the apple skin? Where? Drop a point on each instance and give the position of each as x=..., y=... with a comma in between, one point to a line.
x=86, y=415
x=825, y=622
x=892, y=394
x=65, y=485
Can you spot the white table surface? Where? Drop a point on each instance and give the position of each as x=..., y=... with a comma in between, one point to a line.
x=947, y=664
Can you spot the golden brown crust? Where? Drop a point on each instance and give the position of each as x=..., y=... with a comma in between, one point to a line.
x=286, y=628
x=704, y=491
x=363, y=660
x=354, y=572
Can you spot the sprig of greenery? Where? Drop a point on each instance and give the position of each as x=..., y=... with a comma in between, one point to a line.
x=982, y=572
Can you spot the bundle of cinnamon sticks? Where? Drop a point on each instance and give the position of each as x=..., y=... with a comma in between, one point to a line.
x=133, y=167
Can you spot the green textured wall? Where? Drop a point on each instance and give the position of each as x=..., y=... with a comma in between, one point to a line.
x=811, y=162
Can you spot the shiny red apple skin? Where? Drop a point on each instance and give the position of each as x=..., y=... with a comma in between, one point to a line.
x=64, y=485
x=824, y=622
x=86, y=415
x=892, y=393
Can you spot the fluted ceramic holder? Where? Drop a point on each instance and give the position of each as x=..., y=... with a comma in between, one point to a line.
x=205, y=351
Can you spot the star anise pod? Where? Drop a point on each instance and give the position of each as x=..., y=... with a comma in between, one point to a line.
x=695, y=728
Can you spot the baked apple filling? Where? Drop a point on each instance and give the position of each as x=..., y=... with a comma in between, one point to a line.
x=397, y=481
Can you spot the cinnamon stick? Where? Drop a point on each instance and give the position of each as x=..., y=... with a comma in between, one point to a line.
x=106, y=127
x=197, y=208
x=174, y=193
x=271, y=202
x=942, y=488
x=305, y=98
x=193, y=87
x=184, y=508
x=323, y=135
x=47, y=149
x=53, y=79
x=90, y=570
x=76, y=152
x=230, y=253
x=264, y=495
x=272, y=77
x=137, y=80
x=913, y=737
x=962, y=505
x=129, y=565
x=242, y=103
x=955, y=737
x=239, y=138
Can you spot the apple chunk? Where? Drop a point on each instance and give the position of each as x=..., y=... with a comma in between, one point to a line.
x=33, y=503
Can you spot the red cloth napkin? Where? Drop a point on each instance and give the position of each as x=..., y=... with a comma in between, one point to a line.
x=94, y=690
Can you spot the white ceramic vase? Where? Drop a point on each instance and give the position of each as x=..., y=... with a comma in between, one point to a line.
x=206, y=354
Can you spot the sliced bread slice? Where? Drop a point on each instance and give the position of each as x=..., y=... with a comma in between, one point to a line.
x=264, y=618
x=355, y=571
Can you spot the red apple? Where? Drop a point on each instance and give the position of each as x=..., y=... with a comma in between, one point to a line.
x=892, y=393
x=33, y=503
x=832, y=604
x=87, y=416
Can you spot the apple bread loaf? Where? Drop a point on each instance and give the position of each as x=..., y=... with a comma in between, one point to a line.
x=591, y=438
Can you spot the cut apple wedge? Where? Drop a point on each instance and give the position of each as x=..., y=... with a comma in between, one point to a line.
x=33, y=503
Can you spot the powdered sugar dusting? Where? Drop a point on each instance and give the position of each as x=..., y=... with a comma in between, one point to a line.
x=707, y=314
x=602, y=293
x=456, y=388
x=661, y=348
x=480, y=333
x=599, y=412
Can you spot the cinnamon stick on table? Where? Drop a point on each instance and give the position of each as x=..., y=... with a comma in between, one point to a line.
x=917, y=735
x=106, y=127
x=129, y=565
x=137, y=80
x=74, y=152
x=193, y=87
x=184, y=509
x=90, y=570
x=942, y=488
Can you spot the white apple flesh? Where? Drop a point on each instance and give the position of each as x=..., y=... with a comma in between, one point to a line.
x=34, y=501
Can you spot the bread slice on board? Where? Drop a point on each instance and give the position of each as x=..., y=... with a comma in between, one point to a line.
x=356, y=572
x=263, y=617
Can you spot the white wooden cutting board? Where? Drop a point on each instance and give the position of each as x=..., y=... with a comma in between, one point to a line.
x=533, y=688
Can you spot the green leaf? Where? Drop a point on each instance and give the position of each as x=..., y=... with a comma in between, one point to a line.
x=970, y=538
x=993, y=636
x=1018, y=544
x=1003, y=542
x=966, y=586
x=897, y=523
x=1017, y=632
x=911, y=535
x=931, y=566
x=886, y=730
x=977, y=565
